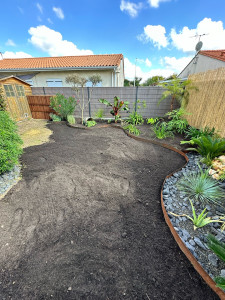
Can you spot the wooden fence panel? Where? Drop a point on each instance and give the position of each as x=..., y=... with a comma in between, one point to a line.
x=39, y=106
x=207, y=105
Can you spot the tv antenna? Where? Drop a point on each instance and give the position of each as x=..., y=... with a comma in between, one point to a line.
x=199, y=44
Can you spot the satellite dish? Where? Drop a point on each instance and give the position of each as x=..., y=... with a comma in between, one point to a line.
x=198, y=47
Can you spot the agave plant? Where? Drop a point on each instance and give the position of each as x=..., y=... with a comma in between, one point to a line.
x=209, y=147
x=218, y=248
x=201, y=187
x=117, y=106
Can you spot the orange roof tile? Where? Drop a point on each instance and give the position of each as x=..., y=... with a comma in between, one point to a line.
x=106, y=60
x=217, y=54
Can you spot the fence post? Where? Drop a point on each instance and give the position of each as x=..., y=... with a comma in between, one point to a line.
x=89, y=103
x=136, y=98
x=44, y=90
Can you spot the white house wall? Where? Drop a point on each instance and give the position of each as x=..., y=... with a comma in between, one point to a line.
x=204, y=63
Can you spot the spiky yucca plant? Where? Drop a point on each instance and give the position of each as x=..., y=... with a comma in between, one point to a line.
x=219, y=249
x=201, y=187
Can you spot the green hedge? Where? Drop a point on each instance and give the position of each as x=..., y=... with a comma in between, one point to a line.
x=10, y=143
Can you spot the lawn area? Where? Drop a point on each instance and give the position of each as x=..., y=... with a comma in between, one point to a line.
x=85, y=222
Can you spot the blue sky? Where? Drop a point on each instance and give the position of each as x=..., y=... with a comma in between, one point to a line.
x=158, y=33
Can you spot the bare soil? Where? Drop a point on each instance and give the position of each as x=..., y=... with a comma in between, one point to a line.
x=85, y=222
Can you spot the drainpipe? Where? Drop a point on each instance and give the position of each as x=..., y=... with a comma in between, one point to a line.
x=115, y=77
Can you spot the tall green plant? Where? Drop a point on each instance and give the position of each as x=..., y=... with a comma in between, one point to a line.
x=177, y=90
x=117, y=106
x=177, y=122
x=10, y=143
x=63, y=106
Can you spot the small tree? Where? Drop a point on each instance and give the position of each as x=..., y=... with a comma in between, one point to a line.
x=178, y=90
x=153, y=80
x=79, y=81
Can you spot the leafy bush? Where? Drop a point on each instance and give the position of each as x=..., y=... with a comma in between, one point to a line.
x=90, y=123
x=152, y=121
x=135, y=119
x=177, y=123
x=218, y=248
x=117, y=106
x=132, y=129
x=209, y=147
x=10, y=143
x=63, y=106
x=2, y=101
x=99, y=113
x=161, y=131
x=193, y=132
x=201, y=187
x=71, y=119
x=55, y=118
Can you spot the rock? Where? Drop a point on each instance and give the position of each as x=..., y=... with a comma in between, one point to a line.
x=70, y=288
x=191, y=248
x=191, y=242
x=199, y=243
x=185, y=234
x=213, y=259
x=222, y=273
x=124, y=234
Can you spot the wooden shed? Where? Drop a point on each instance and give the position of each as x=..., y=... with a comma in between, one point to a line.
x=15, y=91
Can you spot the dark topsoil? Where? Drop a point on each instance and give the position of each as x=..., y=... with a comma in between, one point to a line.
x=85, y=222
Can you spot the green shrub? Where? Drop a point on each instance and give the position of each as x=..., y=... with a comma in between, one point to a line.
x=193, y=132
x=218, y=248
x=71, y=119
x=177, y=123
x=63, y=106
x=209, y=147
x=90, y=123
x=152, y=121
x=201, y=187
x=55, y=118
x=132, y=129
x=10, y=143
x=135, y=119
x=161, y=131
x=99, y=113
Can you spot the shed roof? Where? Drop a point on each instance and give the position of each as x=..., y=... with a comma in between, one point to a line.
x=12, y=76
x=106, y=60
x=217, y=54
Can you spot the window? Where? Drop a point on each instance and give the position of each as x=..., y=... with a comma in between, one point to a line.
x=20, y=90
x=9, y=90
x=89, y=84
x=54, y=83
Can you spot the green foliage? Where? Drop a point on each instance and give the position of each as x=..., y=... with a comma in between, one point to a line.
x=55, y=118
x=177, y=90
x=117, y=106
x=153, y=80
x=71, y=120
x=193, y=132
x=177, y=123
x=99, y=113
x=95, y=79
x=90, y=123
x=135, y=119
x=201, y=187
x=218, y=248
x=2, y=101
x=63, y=106
x=132, y=129
x=161, y=131
x=10, y=143
x=208, y=147
x=152, y=121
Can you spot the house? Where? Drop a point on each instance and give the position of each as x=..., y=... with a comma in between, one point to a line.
x=15, y=91
x=204, y=61
x=52, y=71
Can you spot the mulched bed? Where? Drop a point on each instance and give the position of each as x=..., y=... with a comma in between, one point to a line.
x=85, y=222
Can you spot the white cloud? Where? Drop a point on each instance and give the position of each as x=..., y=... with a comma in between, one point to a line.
x=10, y=43
x=176, y=64
x=214, y=38
x=155, y=34
x=148, y=63
x=52, y=42
x=131, y=8
x=19, y=54
x=59, y=13
x=130, y=71
x=49, y=21
x=39, y=7
x=155, y=3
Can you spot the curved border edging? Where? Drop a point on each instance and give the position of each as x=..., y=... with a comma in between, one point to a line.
x=177, y=238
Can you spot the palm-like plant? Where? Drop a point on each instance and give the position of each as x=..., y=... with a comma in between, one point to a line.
x=201, y=187
x=218, y=248
x=178, y=90
x=209, y=147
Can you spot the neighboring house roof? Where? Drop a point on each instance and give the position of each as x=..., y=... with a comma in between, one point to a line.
x=12, y=76
x=217, y=54
x=61, y=62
